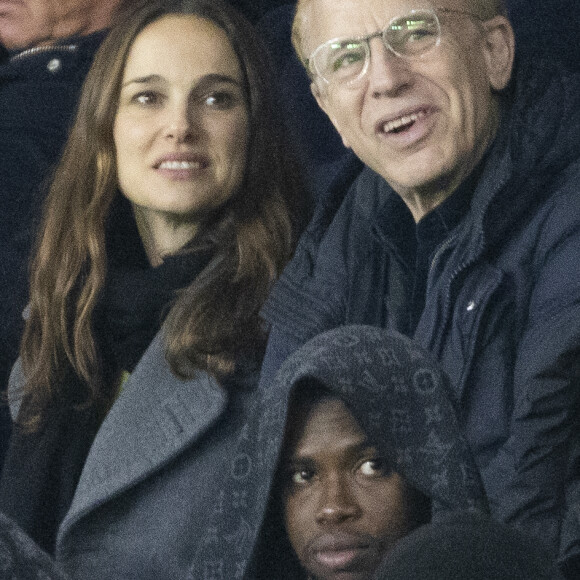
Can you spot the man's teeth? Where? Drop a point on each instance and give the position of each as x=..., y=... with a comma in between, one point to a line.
x=402, y=121
x=180, y=165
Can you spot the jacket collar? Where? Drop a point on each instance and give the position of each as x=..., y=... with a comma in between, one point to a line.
x=73, y=50
x=154, y=419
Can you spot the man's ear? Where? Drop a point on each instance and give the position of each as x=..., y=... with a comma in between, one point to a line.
x=321, y=96
x=499, y=51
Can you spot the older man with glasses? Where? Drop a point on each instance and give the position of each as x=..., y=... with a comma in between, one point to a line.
x=461, y=228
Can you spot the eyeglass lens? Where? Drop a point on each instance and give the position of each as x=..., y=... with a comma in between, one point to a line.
x=408, y=36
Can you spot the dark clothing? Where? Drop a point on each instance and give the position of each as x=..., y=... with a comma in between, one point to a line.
x=547, y=30
x=39, y=90
x=253, y=10
x=317, y=144
x=416, y=244
x=502, y=310
x=42, y=470
x=467, y=547
x=136, y=297
x=21, y=558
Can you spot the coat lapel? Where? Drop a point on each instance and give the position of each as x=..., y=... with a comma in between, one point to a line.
x=155, y=417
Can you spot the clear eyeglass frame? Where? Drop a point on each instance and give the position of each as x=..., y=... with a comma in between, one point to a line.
x=346, y=60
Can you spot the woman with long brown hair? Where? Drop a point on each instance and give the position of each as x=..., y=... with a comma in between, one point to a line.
x=169, y=216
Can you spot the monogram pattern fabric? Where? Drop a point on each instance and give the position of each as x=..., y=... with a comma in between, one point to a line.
x=402, y=401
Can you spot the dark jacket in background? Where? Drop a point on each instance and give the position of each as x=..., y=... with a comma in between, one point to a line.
x=21, y=558
x=253, y=10
x=502, y=312
x=467, y=547
x=39, y=90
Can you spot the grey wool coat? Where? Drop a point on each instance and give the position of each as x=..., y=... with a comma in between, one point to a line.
x=151, y=481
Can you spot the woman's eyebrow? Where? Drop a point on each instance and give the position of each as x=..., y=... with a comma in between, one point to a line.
x=215, y=78
x=142, y=80
x=204, y=81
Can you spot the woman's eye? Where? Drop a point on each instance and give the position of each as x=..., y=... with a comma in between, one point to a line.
x=220, y=100
x=147, y=98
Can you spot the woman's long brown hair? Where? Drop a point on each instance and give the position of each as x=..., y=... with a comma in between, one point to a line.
x=215, y=319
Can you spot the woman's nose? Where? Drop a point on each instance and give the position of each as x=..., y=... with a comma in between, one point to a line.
x=179, y=124
x=337, y=501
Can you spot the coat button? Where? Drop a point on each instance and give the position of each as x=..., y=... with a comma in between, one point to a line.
x=54, y=65
x=471, y=306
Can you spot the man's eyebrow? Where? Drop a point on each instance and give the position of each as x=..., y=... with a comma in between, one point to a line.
x=359, y=447
x=298, y=461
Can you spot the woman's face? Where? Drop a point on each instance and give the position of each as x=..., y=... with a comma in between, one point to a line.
x=181, y=128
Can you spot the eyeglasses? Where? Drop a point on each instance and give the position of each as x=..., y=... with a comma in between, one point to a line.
x=345, y=61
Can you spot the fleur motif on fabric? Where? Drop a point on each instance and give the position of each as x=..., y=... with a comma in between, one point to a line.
x=242, y=466
x=435, y=449
x=425, y=381
x=401, y=422
x=241, y=536
x=433, y=414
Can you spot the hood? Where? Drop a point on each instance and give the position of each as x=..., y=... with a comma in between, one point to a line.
x=537, y=142
x=399, y=396
x=401, y=399
x=544, y=116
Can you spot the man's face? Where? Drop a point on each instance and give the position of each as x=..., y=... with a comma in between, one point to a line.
x=421, y=123
x=344, y=506
x=27, y=23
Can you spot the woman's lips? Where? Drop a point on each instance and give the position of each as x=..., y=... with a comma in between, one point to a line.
x=176, y=165
x=180, y=167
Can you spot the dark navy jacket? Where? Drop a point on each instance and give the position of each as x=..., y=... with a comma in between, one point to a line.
x=502, y=311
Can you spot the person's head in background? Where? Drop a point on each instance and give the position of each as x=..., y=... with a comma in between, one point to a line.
x=29, y=23
x=372, y=450
x=177, y=117
x=411, y=87
x=345, y=504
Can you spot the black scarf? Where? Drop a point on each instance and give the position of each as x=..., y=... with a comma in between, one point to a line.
x=42, y=469
x=136, y=297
